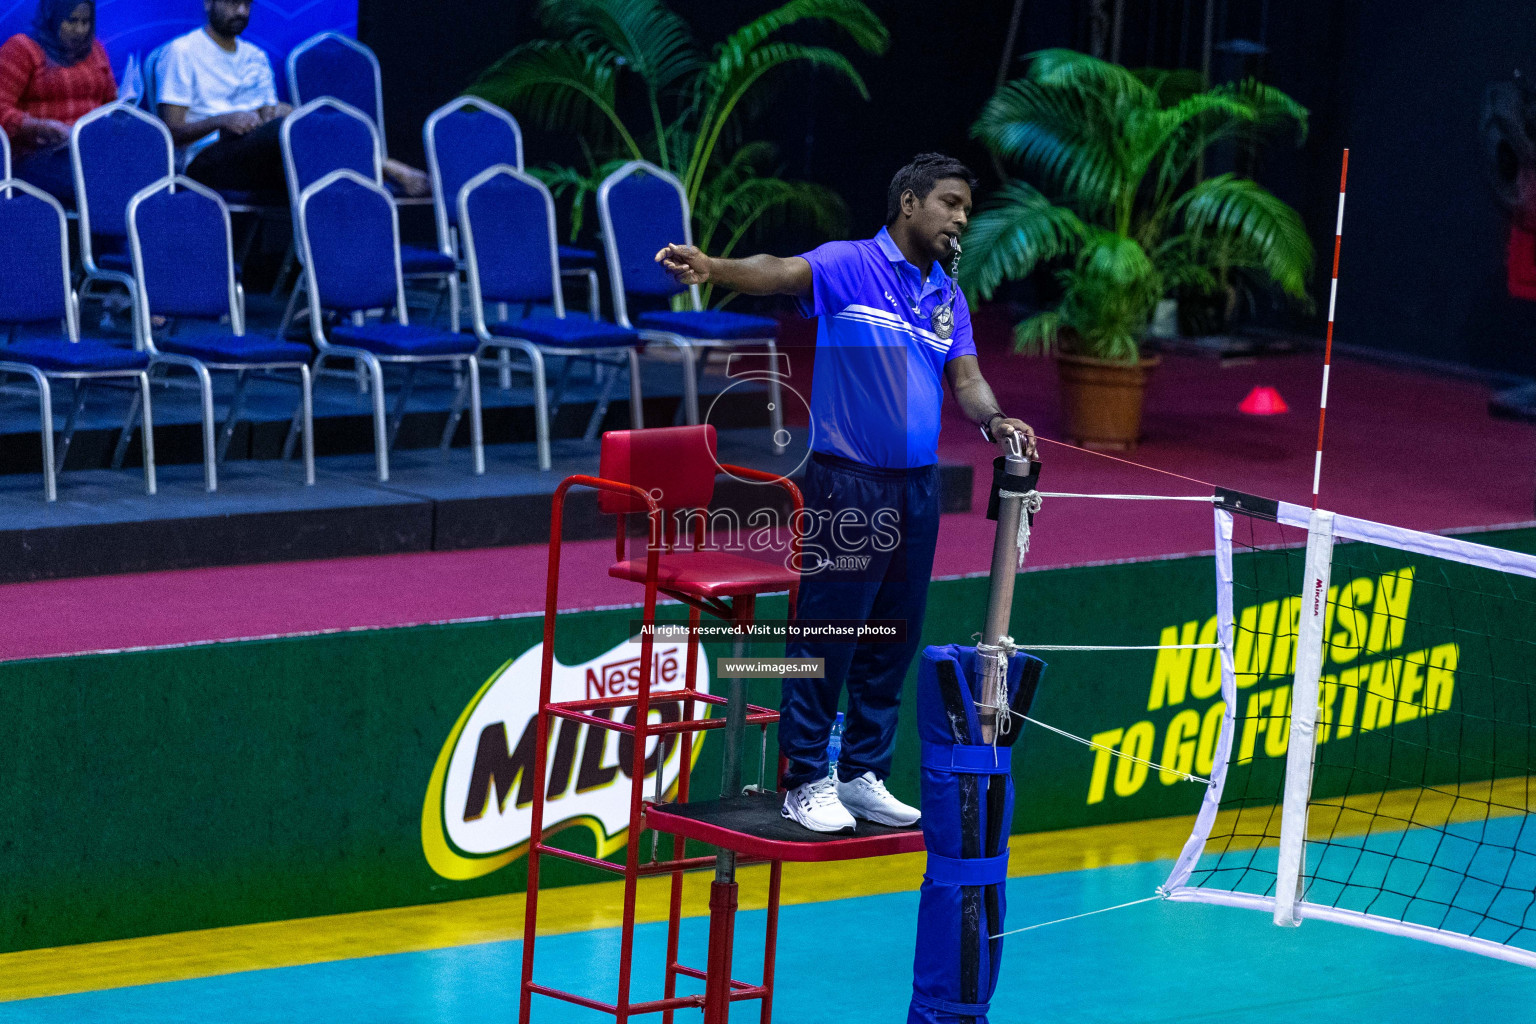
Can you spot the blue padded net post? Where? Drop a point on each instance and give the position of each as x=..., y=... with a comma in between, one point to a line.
x=967, y=818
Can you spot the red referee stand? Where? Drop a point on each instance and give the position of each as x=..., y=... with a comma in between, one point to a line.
x=661, y=473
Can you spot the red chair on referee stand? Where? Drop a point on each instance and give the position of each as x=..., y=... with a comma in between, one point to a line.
x=661, y=473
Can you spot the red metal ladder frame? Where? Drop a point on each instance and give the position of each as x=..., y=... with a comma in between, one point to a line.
x=720, y=988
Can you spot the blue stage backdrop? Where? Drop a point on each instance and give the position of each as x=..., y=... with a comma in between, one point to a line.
x=135, y=27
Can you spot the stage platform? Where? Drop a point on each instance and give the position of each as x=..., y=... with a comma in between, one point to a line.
x=104, y=523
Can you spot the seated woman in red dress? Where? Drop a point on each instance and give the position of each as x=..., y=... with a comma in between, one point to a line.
x=49, y=78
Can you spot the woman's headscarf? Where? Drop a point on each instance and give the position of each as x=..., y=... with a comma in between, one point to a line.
x=45, y=31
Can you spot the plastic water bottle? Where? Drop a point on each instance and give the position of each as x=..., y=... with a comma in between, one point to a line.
x=835, y=747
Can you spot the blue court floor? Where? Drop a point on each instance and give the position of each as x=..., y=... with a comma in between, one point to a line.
x=849, y=962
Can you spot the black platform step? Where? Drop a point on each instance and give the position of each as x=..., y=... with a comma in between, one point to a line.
x=751, y=824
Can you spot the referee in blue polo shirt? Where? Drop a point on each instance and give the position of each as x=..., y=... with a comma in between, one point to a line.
x=891, y=326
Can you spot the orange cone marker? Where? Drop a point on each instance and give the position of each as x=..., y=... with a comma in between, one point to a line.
x=1263, y=401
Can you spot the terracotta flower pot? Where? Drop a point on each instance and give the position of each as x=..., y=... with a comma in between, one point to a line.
x=1102, y=400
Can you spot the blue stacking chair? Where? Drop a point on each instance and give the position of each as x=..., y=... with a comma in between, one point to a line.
x=349, y=236
x=508, y=222
x=465, y=136
x=115, y=151
x=642, y=209
x=34, y=289
x=184, y=267
x=326, y=135
x=330, y=64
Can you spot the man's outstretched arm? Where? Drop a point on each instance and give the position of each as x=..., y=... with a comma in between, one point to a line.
x=755, y=275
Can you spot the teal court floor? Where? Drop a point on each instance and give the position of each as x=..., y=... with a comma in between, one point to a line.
x=849, y=961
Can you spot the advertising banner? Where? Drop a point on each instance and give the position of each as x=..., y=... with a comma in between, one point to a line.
x=477, y=813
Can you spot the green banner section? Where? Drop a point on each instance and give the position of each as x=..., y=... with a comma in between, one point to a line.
x=195, y=787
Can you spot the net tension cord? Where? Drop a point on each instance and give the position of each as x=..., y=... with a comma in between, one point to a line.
x=994, y=646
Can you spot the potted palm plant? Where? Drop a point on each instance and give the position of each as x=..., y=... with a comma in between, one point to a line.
x=631, y=82
x=1116, y=205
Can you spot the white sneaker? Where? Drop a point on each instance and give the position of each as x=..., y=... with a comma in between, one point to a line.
x=867, y=797
x=815, y=806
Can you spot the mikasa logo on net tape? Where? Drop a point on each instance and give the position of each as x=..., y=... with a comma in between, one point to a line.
x=477, y=814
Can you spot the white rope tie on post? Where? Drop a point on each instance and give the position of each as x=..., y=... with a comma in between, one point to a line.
x=1031, y=505
x=1001, y=654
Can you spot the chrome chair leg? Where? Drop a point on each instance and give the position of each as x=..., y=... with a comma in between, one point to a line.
x=307, y=407
x=205, y=387
x=695, y=364
x=380, y=446
x=503, y=356
x=600, y=407
x=45, y=428
x=476, y=429
x=236, y=407
x=405, y=396
x=126, y=434
x=540, y=400
x=69, y=426
x=560, y=384
x=636, y=400
x=311, y=375
x=147, y=439
x=290, y=311
x=455, y=413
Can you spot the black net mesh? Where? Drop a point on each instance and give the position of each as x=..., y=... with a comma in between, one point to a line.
x=1422, y=793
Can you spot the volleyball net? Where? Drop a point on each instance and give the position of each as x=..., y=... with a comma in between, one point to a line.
x=1376, y=765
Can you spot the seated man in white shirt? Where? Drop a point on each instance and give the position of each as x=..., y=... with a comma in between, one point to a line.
x=217, y=95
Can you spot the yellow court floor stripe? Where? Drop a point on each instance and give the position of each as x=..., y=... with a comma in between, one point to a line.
x=182, y=955
x=199, y=954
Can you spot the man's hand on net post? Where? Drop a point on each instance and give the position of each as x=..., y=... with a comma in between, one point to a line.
x=1007, y=427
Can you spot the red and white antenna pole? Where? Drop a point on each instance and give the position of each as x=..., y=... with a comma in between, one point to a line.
x=1333, y=294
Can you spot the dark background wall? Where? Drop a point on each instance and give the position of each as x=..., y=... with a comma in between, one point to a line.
x=1399, y=83
x=1424, y=243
